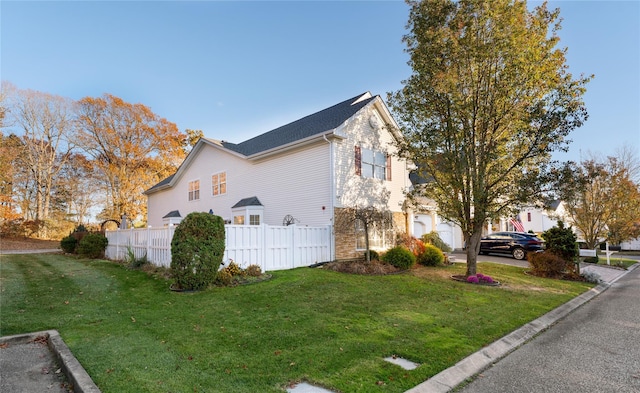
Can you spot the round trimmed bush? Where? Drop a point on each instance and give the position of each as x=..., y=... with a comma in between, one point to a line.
x=399, y=257
x=197, y=249
x=431, y=256
x=92, y=245
x=68, y=244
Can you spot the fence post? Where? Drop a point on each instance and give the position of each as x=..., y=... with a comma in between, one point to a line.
x=292, y=237
x=263, y=246
x=117, y=244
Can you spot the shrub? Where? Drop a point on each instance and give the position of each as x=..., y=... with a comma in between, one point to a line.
x=373, y=255
x=197, y=249
x=480, y=279
x=547, y=263
x=253, y=271
x=92, y=245
x=592, y=277
x=135, y=262
x=435, y=239
x=223, y=278
x=69, y=244
x=399, y=257
x=595, y=259
x=234, y=269
x=414, y=245
x=431, y=256
x=561, y=241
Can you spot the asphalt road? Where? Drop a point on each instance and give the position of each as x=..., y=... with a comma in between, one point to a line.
x=596, y=349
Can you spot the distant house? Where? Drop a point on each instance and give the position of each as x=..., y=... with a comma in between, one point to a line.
x=302, y=173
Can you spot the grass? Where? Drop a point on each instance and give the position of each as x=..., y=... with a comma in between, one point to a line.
x=132, y=334
x=617, y=261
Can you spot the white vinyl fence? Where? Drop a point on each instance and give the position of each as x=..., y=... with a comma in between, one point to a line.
x=270, y=247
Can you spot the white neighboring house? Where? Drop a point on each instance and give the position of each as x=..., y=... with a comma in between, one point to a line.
x=303, y=173
x=534, y=219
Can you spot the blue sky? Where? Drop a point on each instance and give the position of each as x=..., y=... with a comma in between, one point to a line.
x=238, y=69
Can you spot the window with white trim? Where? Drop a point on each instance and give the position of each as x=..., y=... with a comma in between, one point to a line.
x=219, y=183
x=254, y=219
x=238, y=220
x=381, y=234
x=372, y=163
x=194, y=190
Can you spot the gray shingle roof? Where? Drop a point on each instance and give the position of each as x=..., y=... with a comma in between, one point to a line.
x=324, y=120
x=172, y=213
x=253, y=201
x=317, y=123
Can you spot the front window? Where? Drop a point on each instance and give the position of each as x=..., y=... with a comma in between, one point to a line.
x=219, y=183
x=194, y=190
x=238, y=220
x=381, y=234
x=254, y=219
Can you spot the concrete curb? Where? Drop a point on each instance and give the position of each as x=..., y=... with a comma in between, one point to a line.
x=72, y=369
x=481, y=360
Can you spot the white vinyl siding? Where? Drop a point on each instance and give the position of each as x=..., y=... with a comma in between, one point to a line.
x=353, y=188
x=296, y=183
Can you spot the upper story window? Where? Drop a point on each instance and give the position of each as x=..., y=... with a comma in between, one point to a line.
x=372, y=163
x=194, y=190
x=219, y=183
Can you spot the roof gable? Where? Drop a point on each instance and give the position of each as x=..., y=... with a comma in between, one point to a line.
x=309, y=126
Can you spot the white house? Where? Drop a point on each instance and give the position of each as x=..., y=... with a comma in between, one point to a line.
x=304, y=172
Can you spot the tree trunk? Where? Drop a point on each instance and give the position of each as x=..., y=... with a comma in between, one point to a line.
x=473, y=248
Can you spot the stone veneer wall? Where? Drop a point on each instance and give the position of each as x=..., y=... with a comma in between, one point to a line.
x=345, y=238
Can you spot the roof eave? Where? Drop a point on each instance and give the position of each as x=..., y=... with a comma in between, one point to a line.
x=327, y=135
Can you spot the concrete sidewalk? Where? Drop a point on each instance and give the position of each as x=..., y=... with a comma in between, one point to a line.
x=41, y=362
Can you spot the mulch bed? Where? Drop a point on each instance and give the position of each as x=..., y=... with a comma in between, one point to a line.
x=362, y=267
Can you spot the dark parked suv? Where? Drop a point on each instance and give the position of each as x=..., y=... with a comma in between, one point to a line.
x=518, y=244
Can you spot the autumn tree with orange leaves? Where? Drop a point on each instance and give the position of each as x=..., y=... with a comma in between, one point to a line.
x=131, y=148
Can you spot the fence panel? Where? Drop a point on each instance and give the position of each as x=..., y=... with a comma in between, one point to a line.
x=244, y=245
x=270, y=247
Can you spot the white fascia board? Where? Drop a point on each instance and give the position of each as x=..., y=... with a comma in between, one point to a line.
x=190, y=157
x=382, y=108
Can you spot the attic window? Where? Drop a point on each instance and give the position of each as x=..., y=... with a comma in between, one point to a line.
x=194, y=190
x=219, y=183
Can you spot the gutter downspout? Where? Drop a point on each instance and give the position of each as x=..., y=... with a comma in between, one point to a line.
x=332, y=250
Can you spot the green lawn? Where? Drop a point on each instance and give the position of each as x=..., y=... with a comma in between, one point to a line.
x=134, y=335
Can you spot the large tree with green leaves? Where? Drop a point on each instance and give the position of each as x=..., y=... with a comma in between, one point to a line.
x=489, y=99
